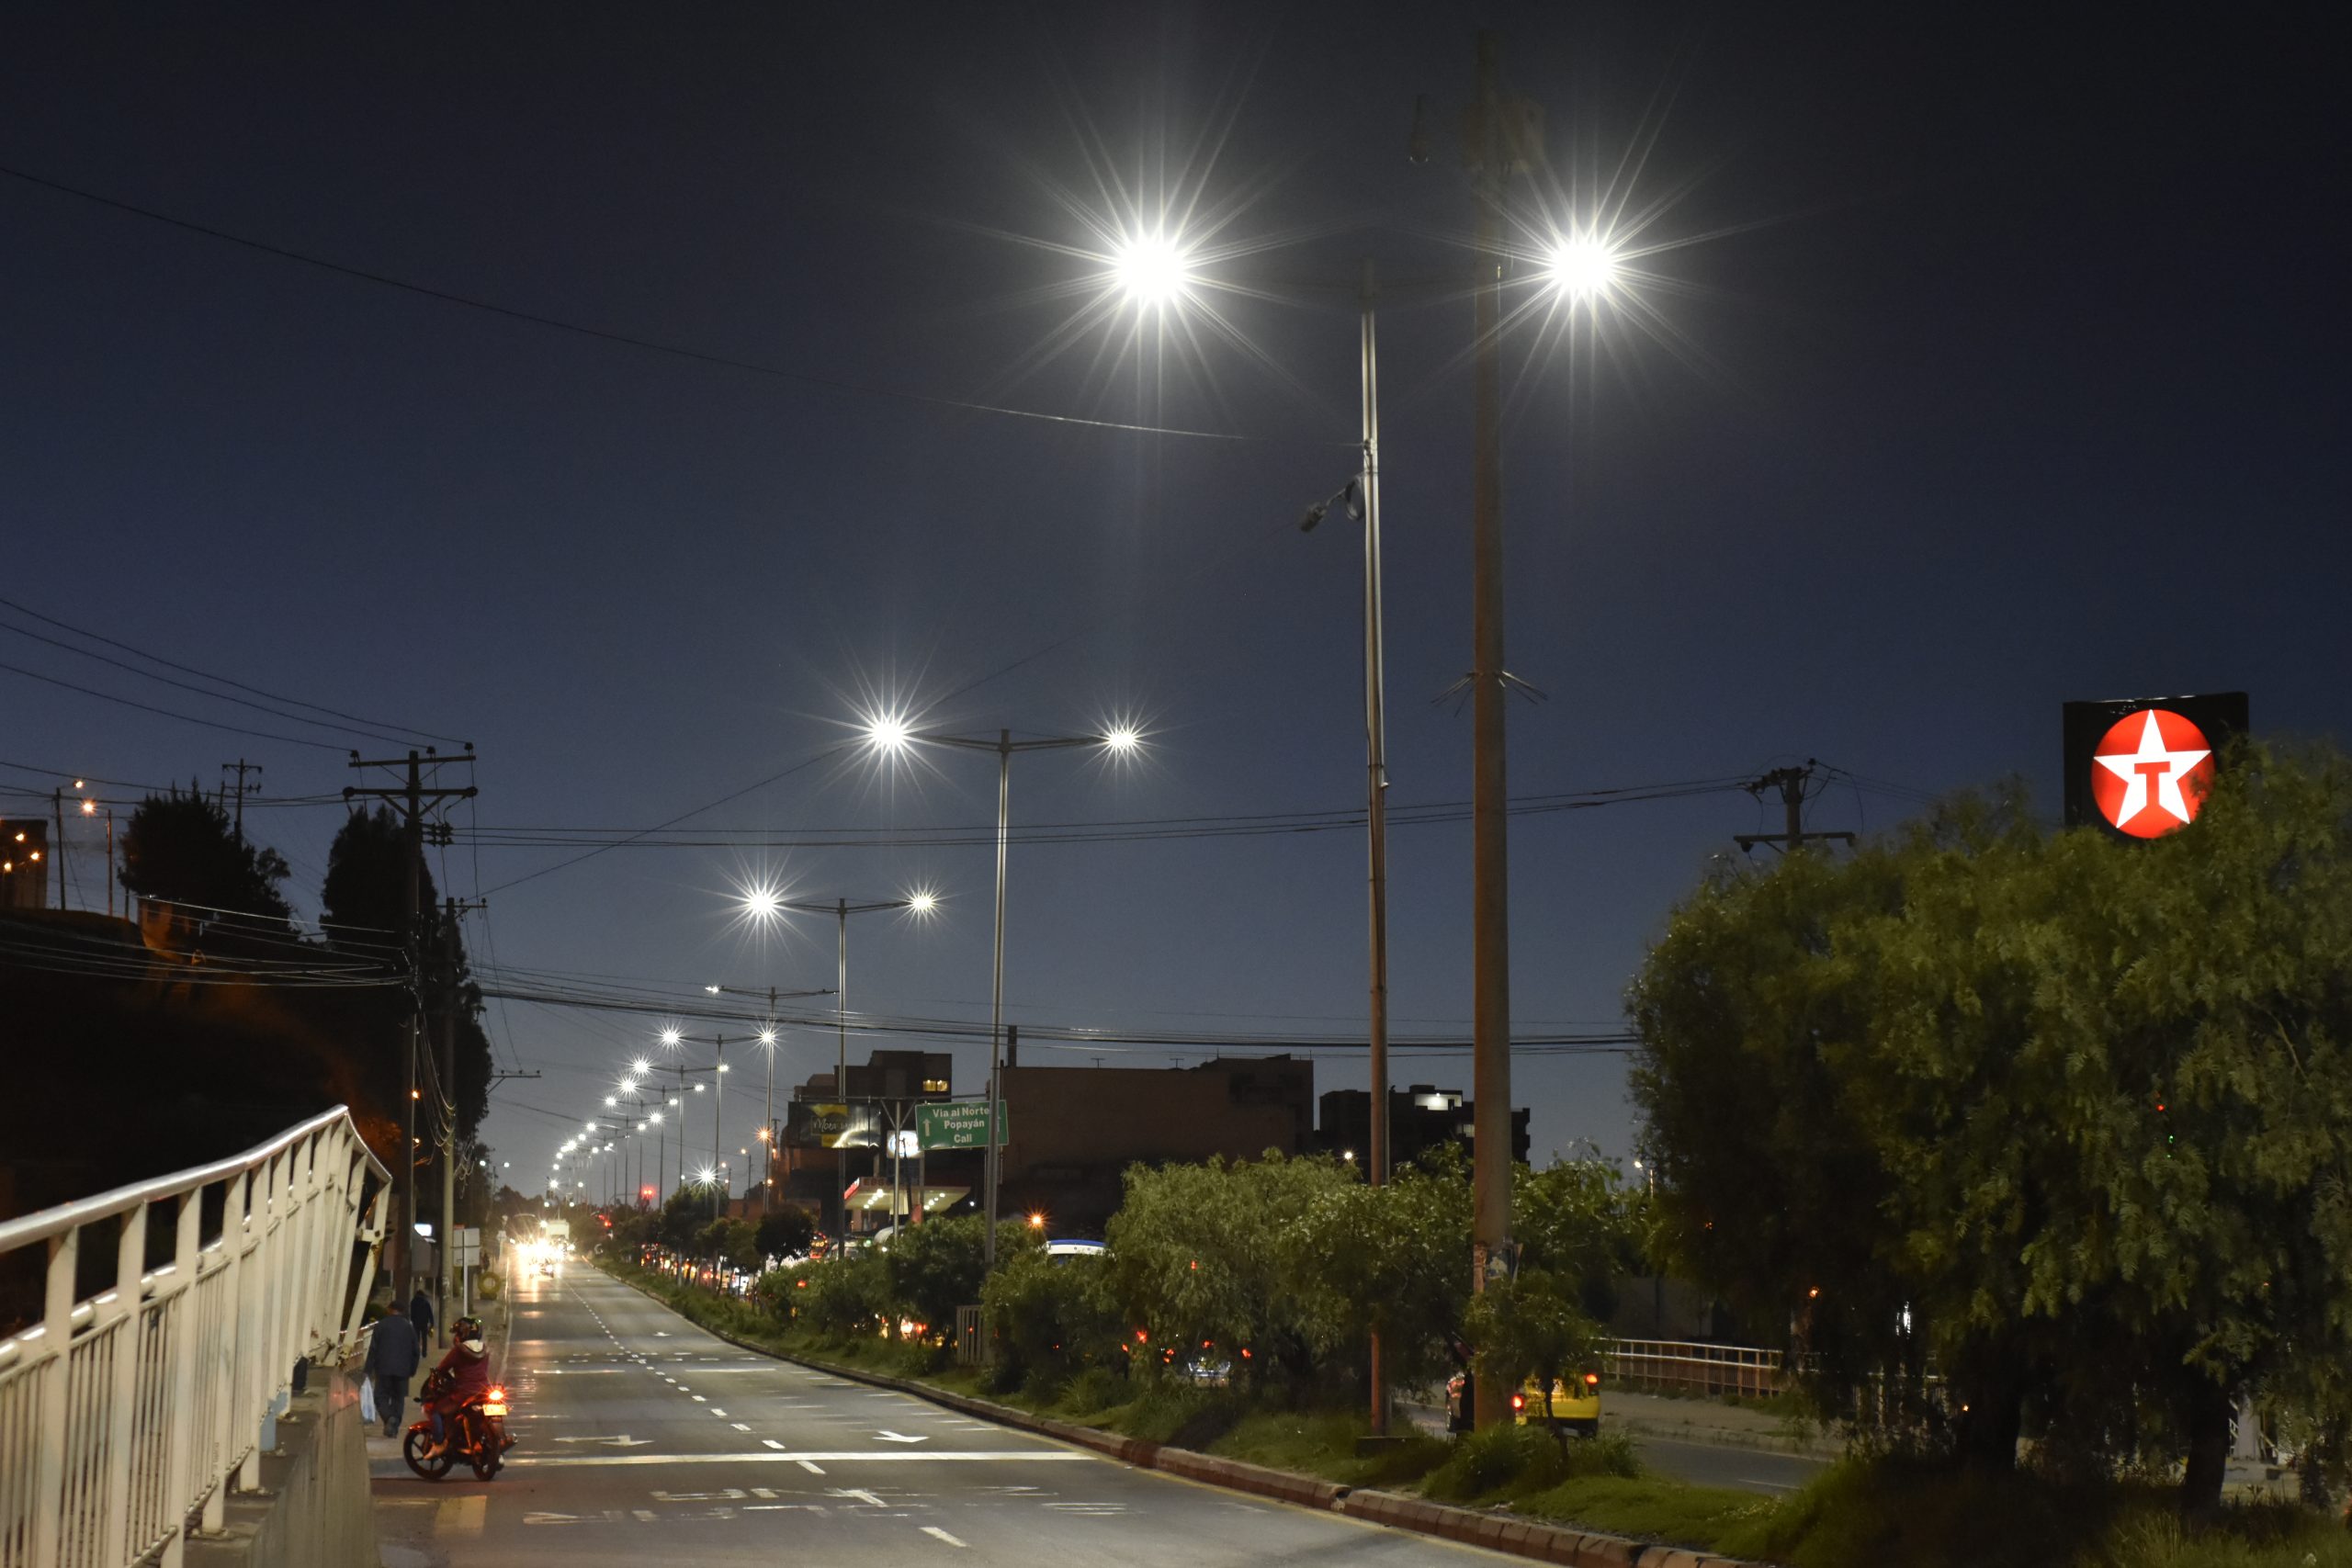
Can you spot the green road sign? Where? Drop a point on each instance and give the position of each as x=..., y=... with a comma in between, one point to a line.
x=960, y=1124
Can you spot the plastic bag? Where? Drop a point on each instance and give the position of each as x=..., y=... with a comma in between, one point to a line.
x=367, y=1399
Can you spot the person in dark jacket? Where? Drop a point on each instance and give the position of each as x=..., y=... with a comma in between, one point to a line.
x=393, y=1357
x=420, y=1315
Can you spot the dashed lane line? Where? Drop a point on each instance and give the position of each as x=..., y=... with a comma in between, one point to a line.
x=836, y=1456
x=935, y=1532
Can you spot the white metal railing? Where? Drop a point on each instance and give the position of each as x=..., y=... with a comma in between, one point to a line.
x=1690, y=1366
x=124, y=1416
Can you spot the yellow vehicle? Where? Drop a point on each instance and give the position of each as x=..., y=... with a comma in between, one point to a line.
x=1576, y=1403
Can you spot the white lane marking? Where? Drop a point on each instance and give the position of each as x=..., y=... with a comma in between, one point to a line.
x=812, y=1469
x=932, y=1531
x=738, y=1425
x=868, y=1499
x=715, y=1410
x=700, y=1398
x=890, y=1437
x=1775, y=1485
x=774, y=1444
x=836, y=1456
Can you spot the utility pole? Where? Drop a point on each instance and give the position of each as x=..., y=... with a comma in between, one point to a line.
x=1500, y=133
x=447, y=1100
x=1791, y=782
x=413, y=800
x=240, y=768
x=57, y=846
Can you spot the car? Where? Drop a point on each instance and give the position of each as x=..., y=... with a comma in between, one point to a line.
x=1576, y=1404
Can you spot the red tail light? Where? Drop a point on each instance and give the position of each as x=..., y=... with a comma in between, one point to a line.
x=1592, y=1380
x=1519, y=1401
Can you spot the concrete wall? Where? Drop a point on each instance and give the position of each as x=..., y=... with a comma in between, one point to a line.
x=314, y=1508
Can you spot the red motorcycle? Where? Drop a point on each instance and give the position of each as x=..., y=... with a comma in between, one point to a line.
x=477, y=1433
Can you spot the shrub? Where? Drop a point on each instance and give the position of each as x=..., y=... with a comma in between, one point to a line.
x=1053, y=1315
x=1095, y=1388
x=1508, y=1458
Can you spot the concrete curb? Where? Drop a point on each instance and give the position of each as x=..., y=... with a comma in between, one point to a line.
x=1501, y=1532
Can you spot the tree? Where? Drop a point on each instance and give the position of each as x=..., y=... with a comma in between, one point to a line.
x=938, y=1265
x=2069, y=1116
x=1386, y=1259
x=181, y=849
x=1529, y=1326
x=785, y=1230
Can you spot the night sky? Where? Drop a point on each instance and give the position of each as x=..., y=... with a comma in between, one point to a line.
x=1970, y=364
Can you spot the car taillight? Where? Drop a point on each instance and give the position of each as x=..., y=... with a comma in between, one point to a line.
x=1592, y=1380
x=1519, y=1401
x=495, y=1403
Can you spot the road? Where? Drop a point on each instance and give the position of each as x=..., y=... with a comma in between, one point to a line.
x=1743, y=1470
x=645, y=1440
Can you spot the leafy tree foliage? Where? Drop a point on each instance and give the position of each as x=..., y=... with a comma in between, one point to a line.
x=2068, y=1118
x=1054, y=1317
x=785, y=1230
x=181, y=848
x=936, y=1267
x=1530, y=1326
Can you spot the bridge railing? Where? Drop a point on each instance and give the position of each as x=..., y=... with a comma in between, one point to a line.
x=1685, y=1366
x=127, y=1416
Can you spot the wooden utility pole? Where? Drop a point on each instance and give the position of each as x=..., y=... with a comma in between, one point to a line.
x=1791, y=782
x=1501, y=134
x=413, y=800
x=240, y=768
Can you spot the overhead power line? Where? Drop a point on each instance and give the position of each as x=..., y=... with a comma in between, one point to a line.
x=217, y=679
x=649, y=346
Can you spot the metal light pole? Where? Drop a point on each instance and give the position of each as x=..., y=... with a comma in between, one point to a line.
x=766, y=903
x=1363, y=494
x=893, y=737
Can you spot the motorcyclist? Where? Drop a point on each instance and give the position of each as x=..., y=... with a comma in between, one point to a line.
x=468, y=1366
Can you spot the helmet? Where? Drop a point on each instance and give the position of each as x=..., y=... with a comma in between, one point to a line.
x=466, y=1327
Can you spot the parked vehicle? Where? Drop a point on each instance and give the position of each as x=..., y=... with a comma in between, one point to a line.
x=1576, y=1404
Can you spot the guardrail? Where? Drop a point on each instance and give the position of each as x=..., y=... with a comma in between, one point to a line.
x=1689, y=1366
x=124, y=1414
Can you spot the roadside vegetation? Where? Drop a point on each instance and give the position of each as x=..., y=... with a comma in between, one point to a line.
x=2038, y=1143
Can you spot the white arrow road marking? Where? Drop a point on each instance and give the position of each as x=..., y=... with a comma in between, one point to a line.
x=935, y=1531
x=899, y=1438
x=623, y=1441
x=731, y=1494
x=868, y=1499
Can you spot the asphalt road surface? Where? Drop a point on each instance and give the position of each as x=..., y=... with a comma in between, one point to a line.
x=646, y=1440
x=1744, y=1470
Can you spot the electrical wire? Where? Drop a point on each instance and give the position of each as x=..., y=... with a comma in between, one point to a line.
x=601, y=335
x=168, y=713
x=220, y=680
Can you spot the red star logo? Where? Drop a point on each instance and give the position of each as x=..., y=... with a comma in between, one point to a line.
x=2149, y=772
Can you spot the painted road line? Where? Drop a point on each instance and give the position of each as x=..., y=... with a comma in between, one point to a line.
x=835, y=1456
x=715, y=1410
x=932, y=1531
x=812, y=1469
x=774, y=1444
x=738, y=1425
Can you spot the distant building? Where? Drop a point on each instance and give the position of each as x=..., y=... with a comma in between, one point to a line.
x=1072, y=1132
x=1420, y=1118
x=826, y=1134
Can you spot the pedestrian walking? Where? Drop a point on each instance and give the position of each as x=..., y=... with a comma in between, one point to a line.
x=393, y=1352
x=420, y=1315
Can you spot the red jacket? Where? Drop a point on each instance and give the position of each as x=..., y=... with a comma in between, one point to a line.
x=470, y=1376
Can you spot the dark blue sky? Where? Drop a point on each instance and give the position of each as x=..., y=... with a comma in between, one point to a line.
x=2002, y=365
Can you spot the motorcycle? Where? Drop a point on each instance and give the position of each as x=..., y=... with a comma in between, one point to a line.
x=476, y=1434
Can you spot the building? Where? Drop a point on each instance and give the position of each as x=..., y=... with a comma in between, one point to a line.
x=1071, y=1133
x=831, y=1140
x=1420, y=1117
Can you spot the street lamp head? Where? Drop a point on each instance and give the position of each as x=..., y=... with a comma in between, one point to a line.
x=612, y=1099
x=640, y=1067
x=1151, y=270
x=888, y=732
x=921, y=903
x=1123, y=740
x=767, y=1037
x=670, y=1037
x=1583, y=266
x=712, y=990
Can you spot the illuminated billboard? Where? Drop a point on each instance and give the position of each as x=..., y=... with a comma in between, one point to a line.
x=2140, y=768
